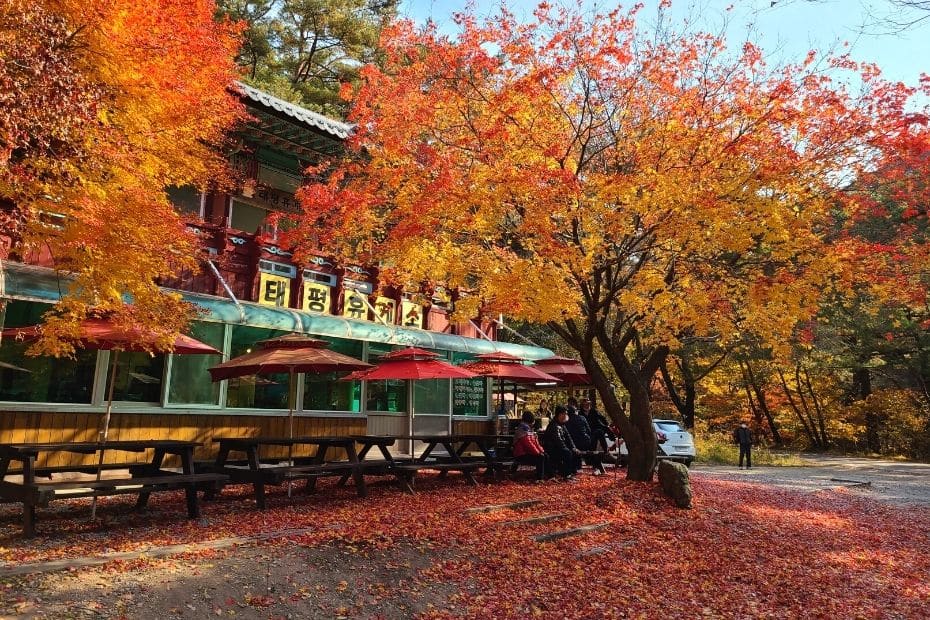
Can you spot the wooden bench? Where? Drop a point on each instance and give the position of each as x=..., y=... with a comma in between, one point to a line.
x=38, y=494
x=406, y=472
x=48, y=471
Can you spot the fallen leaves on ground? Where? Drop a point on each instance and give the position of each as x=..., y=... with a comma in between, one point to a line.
x=744, y=550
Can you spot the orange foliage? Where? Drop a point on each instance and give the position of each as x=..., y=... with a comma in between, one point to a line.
x=526, y=160
x=154, y=77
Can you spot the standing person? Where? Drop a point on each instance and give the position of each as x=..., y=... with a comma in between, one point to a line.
x=580, y=431
x=526, y=447
x=558, y=444
x=742, y=436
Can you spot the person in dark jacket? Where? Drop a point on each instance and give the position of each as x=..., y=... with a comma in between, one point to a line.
x=580, y=431
x=600, y=427
x=742, y=436
x=563, y=454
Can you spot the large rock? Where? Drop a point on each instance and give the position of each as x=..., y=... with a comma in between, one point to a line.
x=673, y=477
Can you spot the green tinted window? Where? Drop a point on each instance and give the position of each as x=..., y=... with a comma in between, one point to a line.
x=324, y=392
x=389, y=395
x=190, y=381
x=138, y=376
x=255, y=392
x=41, y=379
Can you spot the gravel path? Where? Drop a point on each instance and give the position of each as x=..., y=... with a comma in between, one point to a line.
x=896, y=482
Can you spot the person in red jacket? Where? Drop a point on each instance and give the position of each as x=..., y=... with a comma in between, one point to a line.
x=526, y=446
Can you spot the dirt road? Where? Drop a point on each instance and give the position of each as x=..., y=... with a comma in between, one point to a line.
x=889, y=481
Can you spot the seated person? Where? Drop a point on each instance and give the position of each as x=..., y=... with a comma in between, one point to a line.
x=600, y=427
x=580, y=431
x=526, y=447
x=563, y=455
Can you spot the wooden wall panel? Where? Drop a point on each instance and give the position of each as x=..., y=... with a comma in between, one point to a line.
x=25, y=427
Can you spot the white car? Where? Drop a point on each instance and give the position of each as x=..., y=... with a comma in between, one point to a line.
x=675, y=443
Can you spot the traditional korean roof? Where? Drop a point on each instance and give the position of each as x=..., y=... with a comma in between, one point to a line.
x=290, y=128
x=336, y=129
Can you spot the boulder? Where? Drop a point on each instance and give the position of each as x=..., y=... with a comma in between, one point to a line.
x=673, y=477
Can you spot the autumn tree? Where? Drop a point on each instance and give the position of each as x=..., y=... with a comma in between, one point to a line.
x=630, y=191
x=112, y=102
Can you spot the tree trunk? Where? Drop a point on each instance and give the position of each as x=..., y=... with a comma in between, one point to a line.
x=636, y=429
x=824, y=437
x=808, y=429
x=862, y=386
x=762, y=404
x=642, y=460
x=686, y=405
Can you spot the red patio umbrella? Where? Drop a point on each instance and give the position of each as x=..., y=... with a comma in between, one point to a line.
x=412, y=364
x=504, y=366
x=103, y=334
x=567, y=370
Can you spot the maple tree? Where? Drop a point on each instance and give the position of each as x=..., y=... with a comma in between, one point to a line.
x=628, y=190
x=122, y=100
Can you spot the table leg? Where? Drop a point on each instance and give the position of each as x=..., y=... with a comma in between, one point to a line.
x=429, y=448
x=318, y=459
x=386, y=453
x=490, y=459
x=157, y=460
x=29, y=509
x=357, y=470
x=361, y=457
x=221, y=458
x=257, y=482
x=187, y=466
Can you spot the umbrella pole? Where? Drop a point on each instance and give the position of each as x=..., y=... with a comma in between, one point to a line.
x=410, y=414
x=291, y=397
x=105, y=432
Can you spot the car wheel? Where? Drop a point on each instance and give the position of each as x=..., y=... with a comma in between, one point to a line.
x=688, y=462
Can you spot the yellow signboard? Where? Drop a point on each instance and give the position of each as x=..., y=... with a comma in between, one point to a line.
x=273, y=290
x=411, y=314
x=354, y=306
x=386, y=309
x=316, y=297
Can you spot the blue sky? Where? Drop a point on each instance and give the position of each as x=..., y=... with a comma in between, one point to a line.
x=786, y=30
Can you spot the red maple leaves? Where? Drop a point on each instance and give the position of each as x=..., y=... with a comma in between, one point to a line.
x=743, y=551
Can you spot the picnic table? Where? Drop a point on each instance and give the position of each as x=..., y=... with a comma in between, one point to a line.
x=309, y=469
x=455, y=447
x=37, y=488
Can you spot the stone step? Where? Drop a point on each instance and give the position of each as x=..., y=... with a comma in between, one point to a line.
x=575, y=531
x=493, y=507
x=538, y=519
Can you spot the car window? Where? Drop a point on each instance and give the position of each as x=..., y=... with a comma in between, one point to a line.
x=670, y=427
